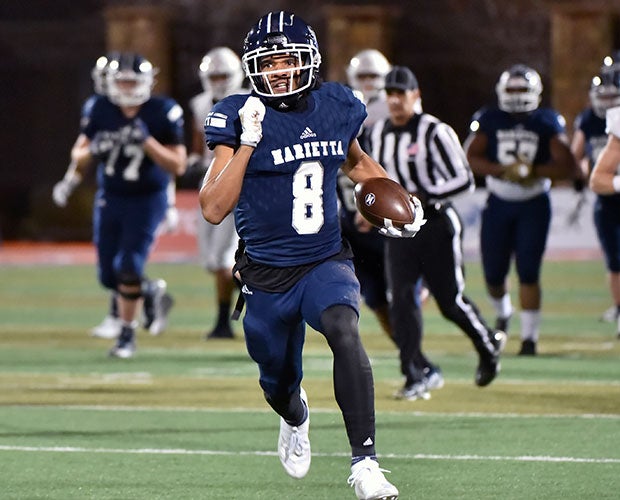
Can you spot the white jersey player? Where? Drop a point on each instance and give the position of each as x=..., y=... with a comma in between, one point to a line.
x=221, y=75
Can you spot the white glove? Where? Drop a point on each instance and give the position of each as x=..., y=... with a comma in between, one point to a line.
x=64, y=188
x=171, y=221
x=408, y=230
x=252, y=114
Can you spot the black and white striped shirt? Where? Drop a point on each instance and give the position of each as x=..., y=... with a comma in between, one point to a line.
x=425, y=156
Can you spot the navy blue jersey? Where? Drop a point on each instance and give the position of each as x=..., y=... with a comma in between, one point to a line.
x=511, y=136
x=124, y=168
x=593, y=128
x=287, y=213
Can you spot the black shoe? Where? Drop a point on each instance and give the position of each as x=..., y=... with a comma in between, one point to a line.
x=502, y=324
x=221, y=332
x=125, y=345
x=489, y=365
x=528, y=348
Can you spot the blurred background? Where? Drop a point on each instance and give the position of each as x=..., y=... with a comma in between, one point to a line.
x=457, y=48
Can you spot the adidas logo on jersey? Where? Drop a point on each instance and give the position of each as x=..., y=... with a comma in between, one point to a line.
x=246, y=290
x=307, y=133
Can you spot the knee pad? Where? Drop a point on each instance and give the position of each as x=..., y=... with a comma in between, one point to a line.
x=129, y=280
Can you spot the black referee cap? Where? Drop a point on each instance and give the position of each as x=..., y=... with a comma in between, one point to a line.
x=401, y=78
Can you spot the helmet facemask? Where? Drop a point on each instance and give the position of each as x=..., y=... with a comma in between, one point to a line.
x=519, y=90
x=300, y=77
x=129, y=86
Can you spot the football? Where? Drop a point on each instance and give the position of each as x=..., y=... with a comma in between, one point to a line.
x=381, y=198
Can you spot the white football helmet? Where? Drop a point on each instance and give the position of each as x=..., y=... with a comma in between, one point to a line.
x=366, y=72
x=519, y=89
x=130, y=79
x=220, y=72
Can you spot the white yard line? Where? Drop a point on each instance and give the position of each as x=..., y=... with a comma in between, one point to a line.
x=417, y=456
x=189, y=409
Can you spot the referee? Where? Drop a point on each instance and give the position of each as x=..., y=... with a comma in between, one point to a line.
x=425, y=156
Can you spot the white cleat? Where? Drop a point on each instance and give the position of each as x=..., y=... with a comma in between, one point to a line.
x=109, y=328
x=162, y=303
x=413, y=392
x=369, y=482
x=294, y=445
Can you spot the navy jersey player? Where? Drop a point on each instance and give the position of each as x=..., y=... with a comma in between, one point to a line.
x=277, y=156
x=137, y=141
x=520, y=148
x=605, y=181
x=157, y=301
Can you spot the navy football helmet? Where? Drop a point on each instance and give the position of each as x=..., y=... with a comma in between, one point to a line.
x=519, y=89
x=276, y=34
x=605, y=87
x=605, y=92
x=130, y=79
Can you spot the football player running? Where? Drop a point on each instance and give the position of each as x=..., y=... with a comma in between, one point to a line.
x=520, y=148
x=221, y=75
x=137, y=141
x=157, y=302
x=605, y=181
x=277, y=154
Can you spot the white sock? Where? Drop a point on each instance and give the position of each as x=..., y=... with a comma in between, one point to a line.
x=502, y=306
x=530, y=324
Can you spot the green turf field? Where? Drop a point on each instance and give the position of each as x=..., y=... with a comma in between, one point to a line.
x=185, y=418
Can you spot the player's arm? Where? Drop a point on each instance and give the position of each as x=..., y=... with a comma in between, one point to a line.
x=359, y=166
x=197, y=147
x=578, y=148
x=81, y=159
x=223, y=181
x=170, y=157
x=604, y=178
x=222, y=184
x=563, y=164
x=475, y=148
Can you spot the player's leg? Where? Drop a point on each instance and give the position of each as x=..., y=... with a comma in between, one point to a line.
x=607, y=222
x=274, y=336
x=140, y=220
x=496, y=248
x=217, y=245
x=370, y=272
x=531, y=240
x=444, y=273
x=156, y=306
x=331, y=306
x=110, y=326
x=403, y=272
